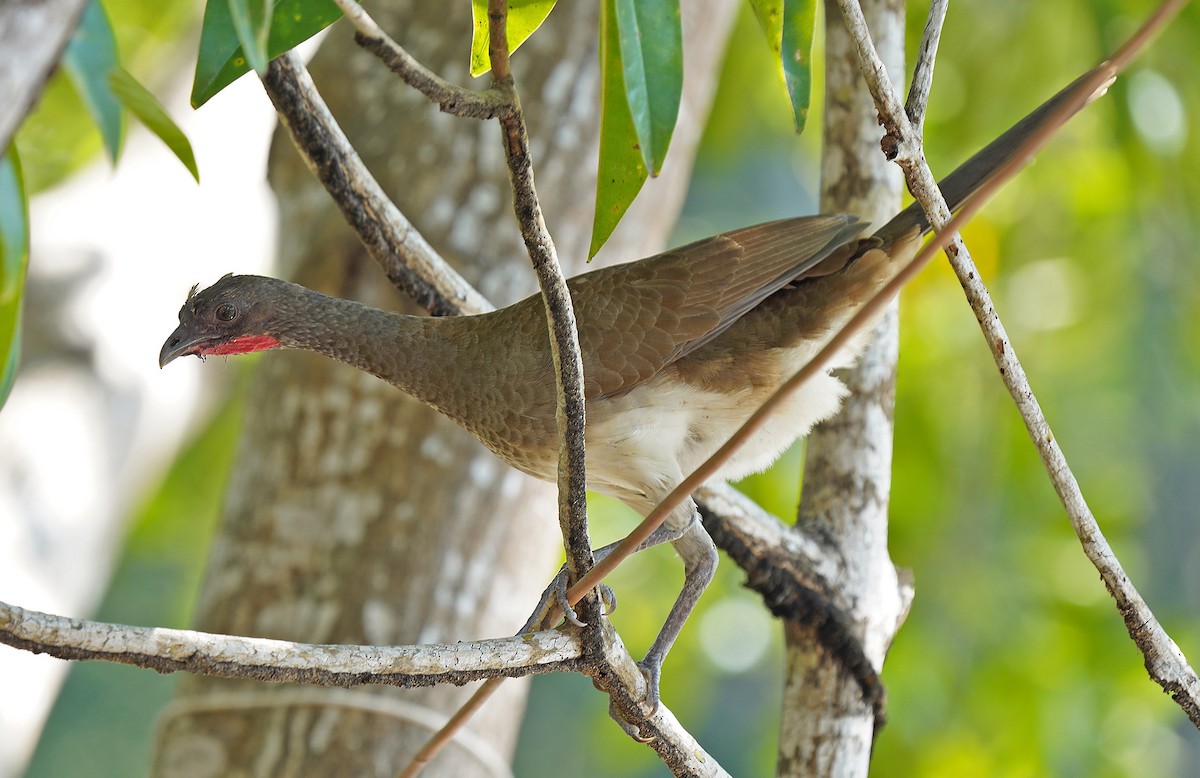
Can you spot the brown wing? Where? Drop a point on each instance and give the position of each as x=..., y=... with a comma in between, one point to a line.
x=637, y=318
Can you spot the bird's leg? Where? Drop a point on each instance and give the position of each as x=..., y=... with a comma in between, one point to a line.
x=686, y=533
x=556, y=592
x=699, y=555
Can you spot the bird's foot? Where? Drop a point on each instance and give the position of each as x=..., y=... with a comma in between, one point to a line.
x=557, y=592
x=651, y=670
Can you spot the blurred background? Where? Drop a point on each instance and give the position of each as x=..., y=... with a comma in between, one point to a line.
x=1013, y=660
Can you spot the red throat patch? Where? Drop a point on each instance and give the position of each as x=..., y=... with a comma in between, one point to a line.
x=242, y=345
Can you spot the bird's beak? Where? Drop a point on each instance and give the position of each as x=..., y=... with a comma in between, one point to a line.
x=181, y=343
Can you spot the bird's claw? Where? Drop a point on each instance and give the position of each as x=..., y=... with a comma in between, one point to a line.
x=560, y=594
x=608, y=598
x=633, y=730
x=651, y=670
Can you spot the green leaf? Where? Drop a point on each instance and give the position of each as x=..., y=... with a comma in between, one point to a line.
x=621, y=171
x=651, y=40
x=89, y=56
x=524, y=17
x=790, y=26
x=150, y=112
x=799, y=27
x=252, y=31
x=14, y=255
x=222, y=60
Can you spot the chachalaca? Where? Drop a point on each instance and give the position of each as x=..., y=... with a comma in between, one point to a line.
x=678, y=350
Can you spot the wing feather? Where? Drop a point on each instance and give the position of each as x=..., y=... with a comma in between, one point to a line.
x=638, y=318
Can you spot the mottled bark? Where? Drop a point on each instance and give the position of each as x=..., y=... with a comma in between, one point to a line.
x=828, y=717
x=32, y=38
x=356, y=514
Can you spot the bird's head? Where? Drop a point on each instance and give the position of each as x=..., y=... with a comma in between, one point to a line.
x=233, y=316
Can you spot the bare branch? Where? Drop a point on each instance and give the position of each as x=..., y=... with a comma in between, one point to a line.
x=1165, y=662
x=799, y=580
x=452, y=99
x=624, y=682
x=835, y=645
x=564, y=350
x=407, y=259
x=32, y=38
x=918, y=91
x=171, y=650
x=564, y=337
x=742, y=523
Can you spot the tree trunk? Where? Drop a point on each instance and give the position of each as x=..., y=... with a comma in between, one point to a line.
x=357, y=515
x=827, y=726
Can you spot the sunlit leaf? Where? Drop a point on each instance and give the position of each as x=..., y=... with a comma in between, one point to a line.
x=524, y=17
x=88, y=58
x=252, y=30
x=222, y=60
x=150, y=112
x=621, y=171
x=789, y=26
x=14, y=254
x=651, y=41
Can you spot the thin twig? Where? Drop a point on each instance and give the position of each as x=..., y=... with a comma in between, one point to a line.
x=407, y=259
x=922, y=81
x=1164, y=660
x=452, y=99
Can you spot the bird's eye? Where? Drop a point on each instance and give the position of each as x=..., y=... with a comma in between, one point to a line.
x=226, y=312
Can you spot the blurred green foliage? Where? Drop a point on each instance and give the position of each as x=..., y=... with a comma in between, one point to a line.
x=1013, y=661
x=55, y=140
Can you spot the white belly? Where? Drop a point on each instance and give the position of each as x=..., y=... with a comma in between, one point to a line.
x=667, y=429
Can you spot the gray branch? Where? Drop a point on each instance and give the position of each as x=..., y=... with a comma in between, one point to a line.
x=1164, y=660
x=33, y=34
x=922, y=82
x=452, y=99
x=560, y=312
x=172, y=650
x=407, y=259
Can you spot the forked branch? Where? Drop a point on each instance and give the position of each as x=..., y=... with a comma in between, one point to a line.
x=1164, y=660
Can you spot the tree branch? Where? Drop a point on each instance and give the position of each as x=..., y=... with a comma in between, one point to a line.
x=226, y=656
x=32, y=38
x=172, y=650
x=835, y=646
x=407, y=259
x=801, y=581
x=564, y=337
x=922, y=80
x=1164, y=660
x=456, y=100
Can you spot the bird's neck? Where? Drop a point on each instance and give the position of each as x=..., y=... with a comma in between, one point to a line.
x=417, y=354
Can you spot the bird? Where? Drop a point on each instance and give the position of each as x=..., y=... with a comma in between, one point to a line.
x=678, y=350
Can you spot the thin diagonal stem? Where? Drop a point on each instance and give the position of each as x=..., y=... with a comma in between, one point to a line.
x=1166, y=663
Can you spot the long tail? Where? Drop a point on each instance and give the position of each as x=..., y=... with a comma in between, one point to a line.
x=967, y=178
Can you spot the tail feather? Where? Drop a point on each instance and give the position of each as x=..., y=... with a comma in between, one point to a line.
x=967, y=178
